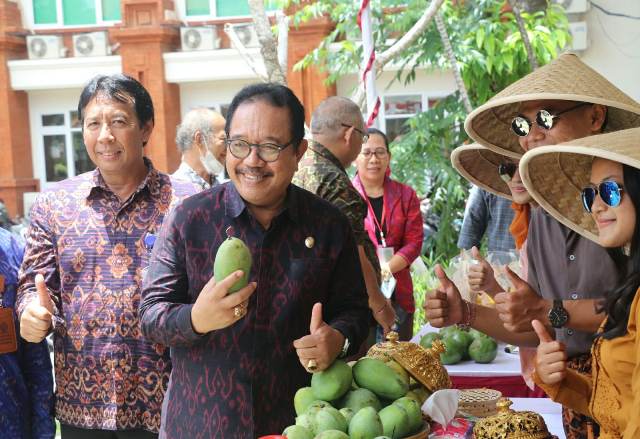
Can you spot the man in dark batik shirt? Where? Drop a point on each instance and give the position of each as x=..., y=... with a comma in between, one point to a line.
x=239, y=359
x=338, y=134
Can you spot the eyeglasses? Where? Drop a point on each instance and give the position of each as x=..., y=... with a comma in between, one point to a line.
x=521, y=126
x=380, y=153
x=269, y=152
x=506, y=171
x=365, y=136
x=610, y=192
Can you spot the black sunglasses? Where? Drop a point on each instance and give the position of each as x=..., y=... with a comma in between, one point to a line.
x=610, y=192
x=506, y=171
x=521, y=126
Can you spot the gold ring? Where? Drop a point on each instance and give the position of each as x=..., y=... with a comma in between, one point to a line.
x=312, y=365
x=238, y=311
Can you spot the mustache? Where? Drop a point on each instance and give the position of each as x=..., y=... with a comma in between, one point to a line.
x=254, y=171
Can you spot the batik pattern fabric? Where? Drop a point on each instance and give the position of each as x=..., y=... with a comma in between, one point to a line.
x=321, y=173
x=93, y=249
x=239, y=381
x=26, y=380
x=186, y=173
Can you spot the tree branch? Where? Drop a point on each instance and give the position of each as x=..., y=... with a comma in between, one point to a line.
x=533, y=62
x=268, y=47
x=448, y=49
x=399, y=46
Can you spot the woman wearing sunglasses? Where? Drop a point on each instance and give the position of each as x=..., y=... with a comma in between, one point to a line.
x=393, y=223
x=592, y=185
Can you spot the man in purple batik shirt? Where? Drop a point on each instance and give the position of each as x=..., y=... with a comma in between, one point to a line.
x=239, y=359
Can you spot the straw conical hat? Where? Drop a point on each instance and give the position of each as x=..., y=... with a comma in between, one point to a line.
x=555, y=175
x=565, y=78
x=479, y=165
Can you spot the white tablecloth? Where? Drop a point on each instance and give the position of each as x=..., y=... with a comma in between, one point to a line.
x=505, y=364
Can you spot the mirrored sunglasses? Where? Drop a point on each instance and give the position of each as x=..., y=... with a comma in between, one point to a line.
x=545, y=119
x=506, y=171
x=610, y=192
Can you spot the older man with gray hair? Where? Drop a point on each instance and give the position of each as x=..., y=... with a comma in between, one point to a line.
x=338, y=132
x=200, y=139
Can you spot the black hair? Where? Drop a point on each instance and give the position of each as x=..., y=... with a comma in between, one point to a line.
x=276, y=95
x=121, y=88
x=617, y=304
x=372, y=131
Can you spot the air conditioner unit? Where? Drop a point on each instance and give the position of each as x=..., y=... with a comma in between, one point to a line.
x=578, y=30
x=199, y=38
x=574, y=6
x=247, y=35
x=44, y=46
x=91, y=44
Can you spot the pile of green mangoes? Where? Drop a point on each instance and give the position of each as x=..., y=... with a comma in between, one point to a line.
x=364, y=399
x=462, y=344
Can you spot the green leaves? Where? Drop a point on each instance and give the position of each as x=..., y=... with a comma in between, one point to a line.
x=490, y=54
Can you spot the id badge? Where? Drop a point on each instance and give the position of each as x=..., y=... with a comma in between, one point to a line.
x=8, y=340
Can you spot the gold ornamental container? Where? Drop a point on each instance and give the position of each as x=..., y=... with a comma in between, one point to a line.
x=422, y=364
x=509, y=424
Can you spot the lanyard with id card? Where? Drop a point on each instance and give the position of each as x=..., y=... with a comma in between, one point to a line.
x=8, y=339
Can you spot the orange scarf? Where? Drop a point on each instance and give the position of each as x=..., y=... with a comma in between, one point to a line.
x=519, y=227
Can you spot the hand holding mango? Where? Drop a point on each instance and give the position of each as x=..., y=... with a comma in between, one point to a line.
x=323, y=344
x=214, y=307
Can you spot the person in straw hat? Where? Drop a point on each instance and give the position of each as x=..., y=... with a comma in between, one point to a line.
x=592, y=185
x=498, y=175
x=567, y=274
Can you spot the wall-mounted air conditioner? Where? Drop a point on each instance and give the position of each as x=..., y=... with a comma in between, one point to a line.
x=199, y=38
x=247, y=35
x=44, y=46
x=578, y=30
x=91, y=44
x=574, y=6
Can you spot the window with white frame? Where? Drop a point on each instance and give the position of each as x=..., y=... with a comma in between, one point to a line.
x=397, y=109
x=219, y=8
x=64, y=152
x=75, y=12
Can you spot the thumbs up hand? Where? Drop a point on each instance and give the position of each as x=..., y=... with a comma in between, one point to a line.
x=444, y=305
x=520, y=306
x=37, y=316
x=551, y=357
x=319, y=349
x=481, y=276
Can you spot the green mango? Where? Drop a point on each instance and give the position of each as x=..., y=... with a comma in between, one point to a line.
x=377, y=376
x=329, y=418
x=414, y=413
x=333, y=382
x=303, y=399
x=307, y=421
x=483, y=350
x=366, y=424
x=428, y=339
x=395, y=421
x=454, y=350
x=359, y=398
x=332, y=434
x=297, y=432
x=347, y=413
x=232, y=255
x=315, y=407
x=464, y=338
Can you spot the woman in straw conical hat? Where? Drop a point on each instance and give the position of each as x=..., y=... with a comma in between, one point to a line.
x=592, y=185
x=497, y=174
x=559, y=102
